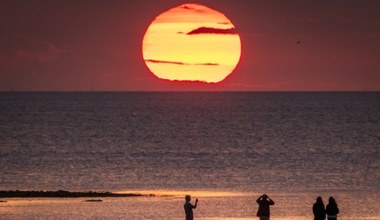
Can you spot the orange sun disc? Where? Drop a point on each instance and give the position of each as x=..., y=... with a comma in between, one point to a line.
x=191, y=42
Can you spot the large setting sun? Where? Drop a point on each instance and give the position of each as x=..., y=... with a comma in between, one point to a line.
x=191, y=42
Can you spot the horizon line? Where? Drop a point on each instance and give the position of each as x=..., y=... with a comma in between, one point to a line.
x=186, y=90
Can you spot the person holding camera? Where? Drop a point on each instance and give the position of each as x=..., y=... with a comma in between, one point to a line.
x=264, y=203
x=189, y=207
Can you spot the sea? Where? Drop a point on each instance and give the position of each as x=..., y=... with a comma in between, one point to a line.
x=224, y=148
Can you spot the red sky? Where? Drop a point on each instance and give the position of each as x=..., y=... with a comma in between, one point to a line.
x=294, y=45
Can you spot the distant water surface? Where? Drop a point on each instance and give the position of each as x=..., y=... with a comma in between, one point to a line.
x=294, y=146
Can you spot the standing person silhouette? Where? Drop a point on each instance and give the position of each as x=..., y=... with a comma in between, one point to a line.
x=332, y=209
x=189, y=207
x=319, y=210
x=264, y=202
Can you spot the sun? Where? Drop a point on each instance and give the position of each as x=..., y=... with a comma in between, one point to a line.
x=191, y=42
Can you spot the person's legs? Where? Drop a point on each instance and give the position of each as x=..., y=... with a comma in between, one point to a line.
x=264, y=218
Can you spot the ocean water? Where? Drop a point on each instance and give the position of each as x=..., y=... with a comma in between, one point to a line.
x=225, y=148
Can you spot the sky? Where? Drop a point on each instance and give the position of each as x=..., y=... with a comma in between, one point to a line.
x=96, y=45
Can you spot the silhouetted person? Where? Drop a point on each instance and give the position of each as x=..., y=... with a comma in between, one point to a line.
x=264, y=202
x=332, y=210
x=319, y=210
x=189, y=207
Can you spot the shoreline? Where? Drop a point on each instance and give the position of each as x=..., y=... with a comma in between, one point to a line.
x=64, y=194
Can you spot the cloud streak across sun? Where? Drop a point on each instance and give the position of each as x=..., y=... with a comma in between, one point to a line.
x=180, y=63
x=191, y=42
x=210, y=30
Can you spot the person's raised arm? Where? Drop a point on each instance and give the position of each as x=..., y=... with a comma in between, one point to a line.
x=196, y=203
x=259, y=199
x=271, y=202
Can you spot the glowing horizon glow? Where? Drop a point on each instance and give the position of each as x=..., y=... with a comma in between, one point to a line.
x=193, y=193
x=191, y=42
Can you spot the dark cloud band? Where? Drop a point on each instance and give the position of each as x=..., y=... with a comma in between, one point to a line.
x=165, y=62
x=179, y=63
x=210, y=30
